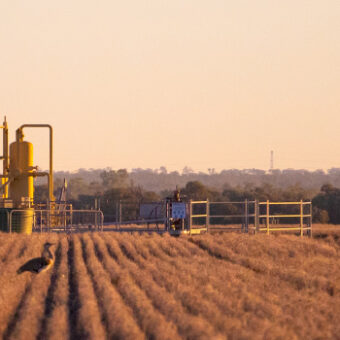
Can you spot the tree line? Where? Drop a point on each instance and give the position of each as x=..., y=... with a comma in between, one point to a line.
x=161, y=179
x=116, y=186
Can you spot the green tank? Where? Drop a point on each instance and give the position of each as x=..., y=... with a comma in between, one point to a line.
x=22, y=221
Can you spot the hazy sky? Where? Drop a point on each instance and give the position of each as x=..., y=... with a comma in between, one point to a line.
x=207, y=84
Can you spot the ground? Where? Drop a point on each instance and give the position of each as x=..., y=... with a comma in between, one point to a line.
x=127, y=286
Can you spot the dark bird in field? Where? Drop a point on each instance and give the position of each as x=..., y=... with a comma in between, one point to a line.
x=39, y=264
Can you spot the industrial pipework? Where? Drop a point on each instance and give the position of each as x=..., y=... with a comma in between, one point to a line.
x=17, y=179
x=20, y=136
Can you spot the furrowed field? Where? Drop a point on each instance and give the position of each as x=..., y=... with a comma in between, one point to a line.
x=123, y=286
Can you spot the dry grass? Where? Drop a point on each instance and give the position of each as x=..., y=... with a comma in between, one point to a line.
x=131, y=286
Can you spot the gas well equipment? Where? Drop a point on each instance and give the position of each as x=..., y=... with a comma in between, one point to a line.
x=17, y=189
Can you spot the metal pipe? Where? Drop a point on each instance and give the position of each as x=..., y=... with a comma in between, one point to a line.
x=5, y=157
x=20, y=135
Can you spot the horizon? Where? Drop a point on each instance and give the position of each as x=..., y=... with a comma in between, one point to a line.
x=188, y=170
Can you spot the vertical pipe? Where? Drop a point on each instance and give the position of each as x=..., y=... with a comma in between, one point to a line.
x=50, y=189
x=5, y=161
x=267, y=217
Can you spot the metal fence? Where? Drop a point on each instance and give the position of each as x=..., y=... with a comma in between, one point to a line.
x=56, y=220
x=248, y=216
x=298, y=218
x=244, y=216
x=237, y=215
x=122, y=213
x=252, y=216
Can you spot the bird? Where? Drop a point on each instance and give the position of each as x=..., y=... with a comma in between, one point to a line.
x=39, y=264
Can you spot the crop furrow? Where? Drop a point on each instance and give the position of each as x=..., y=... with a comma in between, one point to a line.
x=73, y=294
x=153, y=323
x=205, y=297
x=49, y=303
x=88, y=321
x=5, y=248
x=15, y=288
x=16, y=250
x=31, y=311
x=117, y=316
x=13, y=320
x=55, y=326
x=189, y=326
x=195, y=298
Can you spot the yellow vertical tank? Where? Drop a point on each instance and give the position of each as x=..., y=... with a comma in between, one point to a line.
x=21, y=166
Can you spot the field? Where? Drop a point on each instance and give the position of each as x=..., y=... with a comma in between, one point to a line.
x=130, y=286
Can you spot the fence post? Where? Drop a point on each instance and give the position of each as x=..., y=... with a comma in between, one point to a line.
x=95, y=214
x=71, y=217
x=49, y=217
x=310, y=219
x=10, y=222
x=208, y=215
x=301, y=218
x=166, y=216
x=246, y=216
x=190, y=215
x=256, y=217
x=117, y=214
x=267, y=217
x=120, y=213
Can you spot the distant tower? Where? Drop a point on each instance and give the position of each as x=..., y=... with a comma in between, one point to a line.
x=271, y=160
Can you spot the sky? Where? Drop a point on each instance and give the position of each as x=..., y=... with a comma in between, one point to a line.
x=204, y=84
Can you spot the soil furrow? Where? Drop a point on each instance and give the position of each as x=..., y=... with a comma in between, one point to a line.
x=49, y=301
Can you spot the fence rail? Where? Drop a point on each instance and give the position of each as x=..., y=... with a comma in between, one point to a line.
x=249, y=216
x=50, y=219
x=302, y=216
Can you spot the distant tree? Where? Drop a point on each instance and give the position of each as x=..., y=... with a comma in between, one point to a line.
x=115, y=179
x=329, y=200
x=187, y=171
x=195, y=190
x=150, y=196
x=77, y=186
x=163, y=170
